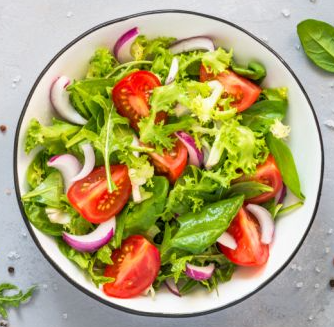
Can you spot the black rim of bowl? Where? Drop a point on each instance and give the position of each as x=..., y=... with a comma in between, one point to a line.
x=54, y=264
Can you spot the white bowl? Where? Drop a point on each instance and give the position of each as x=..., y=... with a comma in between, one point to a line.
x=305, y=143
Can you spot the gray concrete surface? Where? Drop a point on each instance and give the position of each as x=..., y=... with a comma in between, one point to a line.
x=31, y=32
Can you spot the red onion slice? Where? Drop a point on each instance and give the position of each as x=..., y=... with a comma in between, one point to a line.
x=191, y=44
x=57, y=216
x=68, y=165
x=94, y=240
x=265, y=220
x=89, y=162
x=61, y=101
x=174, y=68
x=195, y=155
x=227, y=240
x=199, y=273
x=123, y=45
x=172, y=287
x=281, y=194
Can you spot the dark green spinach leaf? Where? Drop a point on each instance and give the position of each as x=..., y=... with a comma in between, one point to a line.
x=248, y=189
x=261, y=115
x=317, y=39
x=254, y=70
x=144, y=215
x=200, y=230
x=286, y=164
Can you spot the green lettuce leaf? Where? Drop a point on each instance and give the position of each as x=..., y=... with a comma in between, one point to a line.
x=48, y=192
x=239, y=150
x=101, y=64
x=37, y=216
x=52, y=138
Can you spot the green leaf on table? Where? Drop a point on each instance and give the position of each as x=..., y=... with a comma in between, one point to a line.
x=12, y=300
x=317, y=39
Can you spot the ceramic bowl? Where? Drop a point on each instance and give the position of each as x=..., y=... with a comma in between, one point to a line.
x=305, y=143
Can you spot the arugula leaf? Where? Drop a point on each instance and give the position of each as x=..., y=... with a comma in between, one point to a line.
x=261, y=115
x=40, y=220
x=286, y=164
x=101, y=64
x=53, y=137
x=200, y=230
x=254, y=70
x=144, y=215
x=317, y=41
x=106, y=142
x=12, y=300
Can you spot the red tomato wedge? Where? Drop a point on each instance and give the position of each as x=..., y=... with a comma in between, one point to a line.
x=91, y=198
x=269, y=174
x=131, y=96
x=136, y=266
x=246, y=231
x=173, y=163
x=244, y=91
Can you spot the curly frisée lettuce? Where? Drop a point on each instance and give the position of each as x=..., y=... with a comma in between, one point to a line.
x=176, y=211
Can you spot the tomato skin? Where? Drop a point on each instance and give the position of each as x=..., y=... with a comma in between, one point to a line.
x=136, y=266
x=171, y=164
x=244, y=91
x=131, y=96
x=90, y=196
x=269, y=174
x=250, y=251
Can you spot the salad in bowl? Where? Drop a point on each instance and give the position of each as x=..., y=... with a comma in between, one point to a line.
x=160, y=162
x=166, y=165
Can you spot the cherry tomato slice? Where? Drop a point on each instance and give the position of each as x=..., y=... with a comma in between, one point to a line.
x=131, y=96
x=136, y=266
x=269, y=174
x=91, y=198
x=173, y=163
x=250, y=251
x=244, y=91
